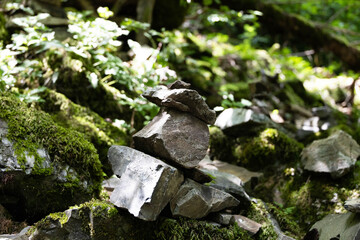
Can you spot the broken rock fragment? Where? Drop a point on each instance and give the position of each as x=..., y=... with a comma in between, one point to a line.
x=146, y=184
x=175, y=136
x=335, y=155
x=353, y=205
x=236, y=121
x=194, y=200
x=186, y=100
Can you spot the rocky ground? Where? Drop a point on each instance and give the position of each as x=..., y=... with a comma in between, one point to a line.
x=245, y=176
x=280, y=165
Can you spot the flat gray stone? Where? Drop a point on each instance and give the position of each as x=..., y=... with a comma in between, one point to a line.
x=223, y=218
x=236, y=121
x=146, y=184
x=353, y=205
x=338, y=226
x=336, y=155
x=194, y=200
x=175, y=136
x=247, y=224
x=186, y=100
x=244, y=175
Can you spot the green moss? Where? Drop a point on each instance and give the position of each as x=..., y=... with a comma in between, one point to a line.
x=101, y=220
x=96, y=130
x=286, y=221
x=258, y=213
x=61, y=216
x=30, y=129
x=312, y=198
x=183, y=228
x=269, y=147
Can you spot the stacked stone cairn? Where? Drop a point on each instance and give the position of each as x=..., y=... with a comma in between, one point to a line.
x=161, y=170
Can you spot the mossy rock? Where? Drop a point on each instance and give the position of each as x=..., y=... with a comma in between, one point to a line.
x=269, y=147
x=104, y=99
x=310, y=198
x=72, y=172
x=96, y=130
x=101, y=220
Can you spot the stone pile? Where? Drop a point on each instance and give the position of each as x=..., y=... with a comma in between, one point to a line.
x=179, y=136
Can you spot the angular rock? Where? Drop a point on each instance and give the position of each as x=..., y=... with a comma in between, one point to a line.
x=110, y=184
x=194, y=200
x=186, y=100
x=246, y=176
x=247, y=224
x=228, y=183
x=146, y=184
x=197, y=175
x=335, y=155
x=236, y=121
x=178, y=84
x=175, y=136
x=353, y=205
x=223, y=218
x=338, y=226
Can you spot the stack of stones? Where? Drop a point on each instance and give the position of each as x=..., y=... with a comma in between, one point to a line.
x=179, y=136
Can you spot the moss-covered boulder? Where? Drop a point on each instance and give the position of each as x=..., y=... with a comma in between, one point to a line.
x=96, y=130
x=44, y=167
x=101, y=220
x=269, y=147
x=105, y=100
x=256, y=153
x=305, y=197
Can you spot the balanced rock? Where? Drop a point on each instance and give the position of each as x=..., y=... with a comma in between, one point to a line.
x=335, y=155
x=146, y=184
x=175, y=136
x=353, y=205
x=236, y=121
x=194, y=200
x=338, y=226
x=182, y=99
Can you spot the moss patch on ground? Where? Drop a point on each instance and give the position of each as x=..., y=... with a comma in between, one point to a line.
x=182, y=228
x=269, y=147
x=310, y=197
x=101, y=220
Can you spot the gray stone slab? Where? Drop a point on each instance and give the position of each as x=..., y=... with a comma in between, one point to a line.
x=146, y=184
